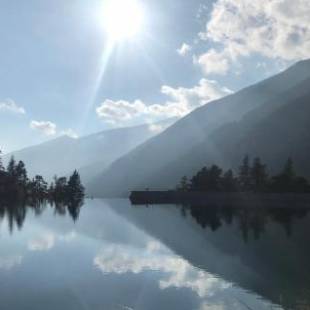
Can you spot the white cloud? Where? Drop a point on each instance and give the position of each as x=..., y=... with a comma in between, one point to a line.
x=157, y=128
x=178, y=272
x=45, y=127
x=43, y=243
x=206, y=306
x=70, y=133
x=181, y=101
x=213, y=62
x=9, y=262
x=184, y=49
x=277, y=29
x=10, y=106
x=48, y=240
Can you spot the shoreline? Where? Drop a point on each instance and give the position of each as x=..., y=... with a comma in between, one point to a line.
x=249, y=200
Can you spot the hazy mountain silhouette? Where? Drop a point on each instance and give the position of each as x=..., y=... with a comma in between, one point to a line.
x=269, y=119
x=90, y=154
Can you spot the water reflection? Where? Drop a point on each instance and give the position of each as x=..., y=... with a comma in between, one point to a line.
x=264, y=251
x=110, y=255
x=250, y=221
x=15, y=213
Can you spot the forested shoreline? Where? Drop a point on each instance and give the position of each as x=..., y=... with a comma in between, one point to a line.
x=253, y=176
x=15, y=185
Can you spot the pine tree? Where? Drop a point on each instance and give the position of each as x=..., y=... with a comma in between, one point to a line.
x=259, y=175
x=207, y=179
x=288, y=170
x=11, y=169
x=1, y=163
x=184, y=185
x=75, y=189
x=60, y=190
x=286, y=180
x=2, y=177
x=214, y=178
x=244, y=177
x=229, y=182
x=39, y=186
x=21, y=174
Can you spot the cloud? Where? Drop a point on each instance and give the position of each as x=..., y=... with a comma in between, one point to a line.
x=184, y=49
x=10, y=106
x=277, y=29
x=45, y=127
x=177, y=272
x=43, y=243
x=9, y=262
x=213, y=62
x=70, y=133
x=157, y=128
x=180, y=102
x=48, y=240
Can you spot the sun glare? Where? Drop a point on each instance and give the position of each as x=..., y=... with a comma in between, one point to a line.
x=123, y=19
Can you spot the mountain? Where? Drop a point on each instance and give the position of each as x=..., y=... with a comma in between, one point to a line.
x=268, y=119
x=90, y=154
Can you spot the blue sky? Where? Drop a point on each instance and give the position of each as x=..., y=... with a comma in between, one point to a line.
x=60, y=75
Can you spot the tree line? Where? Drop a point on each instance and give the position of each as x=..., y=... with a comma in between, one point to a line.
x=252, y=176
x=15, y=185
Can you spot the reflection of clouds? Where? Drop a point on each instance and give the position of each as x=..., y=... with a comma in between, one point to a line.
x=42, y=243
x=9, y=262
x=47, y=241
x=68, y=237
x=179, y=273
x=206, y=306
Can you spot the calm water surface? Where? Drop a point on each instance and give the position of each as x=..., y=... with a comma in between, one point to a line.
x=110, y=255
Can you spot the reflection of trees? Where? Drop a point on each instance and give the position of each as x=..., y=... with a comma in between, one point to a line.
x=287, y=216
x=251, y=222
x=276, y=267
x=207, y=217
x=73, y=207
x=16, y=213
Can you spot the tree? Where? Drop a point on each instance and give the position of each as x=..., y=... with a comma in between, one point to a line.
x=184, y=185
x=1, y=163
x=214, y=178
x=244, y=177
x=60, y=189
x=2, y=177
x=21, y=174
x=259, y=175
x=39, y=187
x=288, y=170
x=11, y=169
x=286, y=180
x=207, y=179
x=75, y=189
x=229, y=182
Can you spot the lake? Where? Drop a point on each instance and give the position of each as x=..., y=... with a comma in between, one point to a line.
x=111, y=255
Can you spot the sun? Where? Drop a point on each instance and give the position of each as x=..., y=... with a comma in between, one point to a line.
x=123, y=19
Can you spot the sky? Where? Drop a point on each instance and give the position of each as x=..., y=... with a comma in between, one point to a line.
x=63, y=73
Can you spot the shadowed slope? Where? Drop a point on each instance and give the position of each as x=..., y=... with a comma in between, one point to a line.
x=196, y=139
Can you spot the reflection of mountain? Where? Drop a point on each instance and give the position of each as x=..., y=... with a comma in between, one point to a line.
x=90, y=154
x=273, y=262
x=269, y=119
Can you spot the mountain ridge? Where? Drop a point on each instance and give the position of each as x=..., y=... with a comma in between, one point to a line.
x=154, y=158
x=62, y=155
